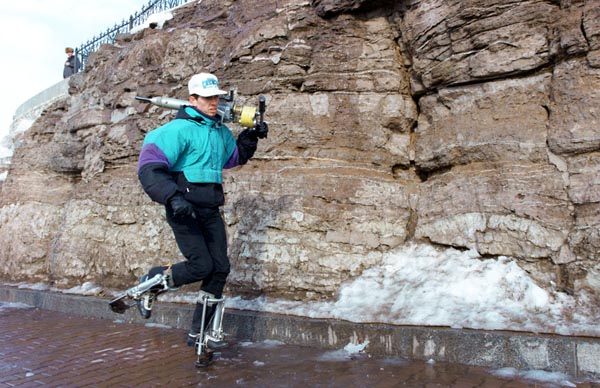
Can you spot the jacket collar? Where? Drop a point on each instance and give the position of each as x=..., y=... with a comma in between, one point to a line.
x=191, y=113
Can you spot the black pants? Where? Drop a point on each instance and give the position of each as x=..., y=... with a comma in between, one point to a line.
x=203, y=242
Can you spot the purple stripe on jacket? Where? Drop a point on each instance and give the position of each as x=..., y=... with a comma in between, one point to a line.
x=152, y=154
x=234, y=160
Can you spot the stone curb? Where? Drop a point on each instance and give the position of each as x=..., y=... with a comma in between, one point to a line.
x=575, y=356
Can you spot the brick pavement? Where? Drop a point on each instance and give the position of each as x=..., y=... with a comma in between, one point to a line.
x=52, y=349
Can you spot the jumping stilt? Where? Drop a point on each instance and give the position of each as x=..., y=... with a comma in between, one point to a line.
x=211, y=335
x=156, y=284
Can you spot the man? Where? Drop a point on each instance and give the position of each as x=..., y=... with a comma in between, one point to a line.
x=71, y=65
x=180, y=166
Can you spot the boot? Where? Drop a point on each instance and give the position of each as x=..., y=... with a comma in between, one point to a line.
x=146, y=301
x=197, y=323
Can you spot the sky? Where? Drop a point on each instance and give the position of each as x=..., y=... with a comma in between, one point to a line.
x=33, y=40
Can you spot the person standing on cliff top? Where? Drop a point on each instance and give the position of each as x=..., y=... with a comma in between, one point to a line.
x=180, y=166
x=70, y=67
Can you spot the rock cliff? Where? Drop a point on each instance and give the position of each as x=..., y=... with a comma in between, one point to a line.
x=470, y=124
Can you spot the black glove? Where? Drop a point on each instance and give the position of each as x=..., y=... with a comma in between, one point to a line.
x=261, y=130
x=246, y=143
x=181, y=207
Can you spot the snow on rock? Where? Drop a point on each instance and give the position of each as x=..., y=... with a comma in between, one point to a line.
x=87, y=288
x=420, y=285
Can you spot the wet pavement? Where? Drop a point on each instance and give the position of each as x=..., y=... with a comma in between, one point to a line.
x=52, y=349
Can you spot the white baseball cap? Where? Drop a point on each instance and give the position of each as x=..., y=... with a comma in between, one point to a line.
x=205, y=85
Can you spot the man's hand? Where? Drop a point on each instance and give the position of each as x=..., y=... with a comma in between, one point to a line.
x=261, y=130
x=181, y=207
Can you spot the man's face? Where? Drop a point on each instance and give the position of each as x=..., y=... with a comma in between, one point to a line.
x=206, y=105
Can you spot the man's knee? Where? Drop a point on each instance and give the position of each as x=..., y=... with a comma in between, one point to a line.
x=199, y=269
x=190, y=271
x=222, y=268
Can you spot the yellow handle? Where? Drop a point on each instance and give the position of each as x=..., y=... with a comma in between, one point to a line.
x=247, y=116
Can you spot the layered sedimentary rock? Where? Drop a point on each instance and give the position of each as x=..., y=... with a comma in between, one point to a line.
x=454, y=123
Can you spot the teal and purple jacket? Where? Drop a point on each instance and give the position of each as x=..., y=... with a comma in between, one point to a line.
x=188, y=155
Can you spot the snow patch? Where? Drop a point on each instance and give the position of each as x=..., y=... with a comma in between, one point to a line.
x=159, y=325
x=5, y=152
x=35, y=286
x=423, y=286
x=348, y=352
x=334, y=356
x=87, y=288
x=355, y=348
x=157, y=20
x=552, y=378
x=13, y=305
x=266, y=344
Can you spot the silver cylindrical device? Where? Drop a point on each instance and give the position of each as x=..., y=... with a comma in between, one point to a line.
x=165, y=102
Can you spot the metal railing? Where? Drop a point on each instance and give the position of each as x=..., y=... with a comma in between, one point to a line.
x=154, y=6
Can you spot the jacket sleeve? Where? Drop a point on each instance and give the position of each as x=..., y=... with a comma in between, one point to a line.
x=157, y=182
x=246, y=146
x=155, y=176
